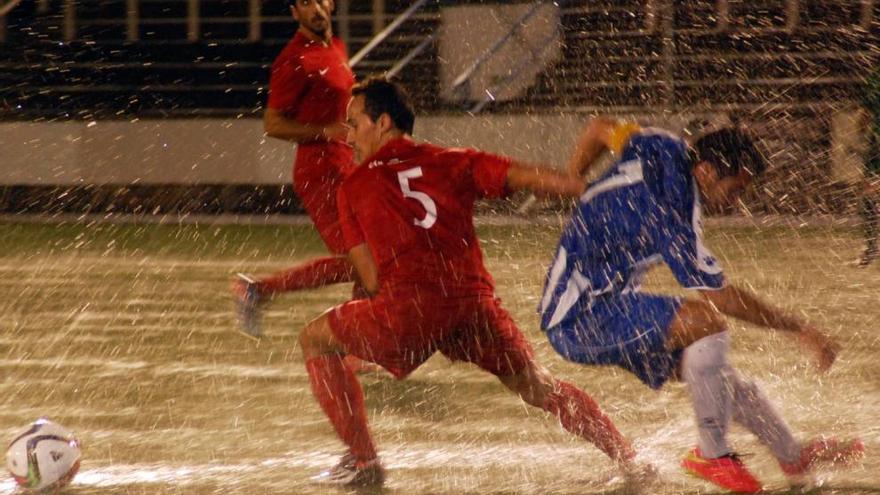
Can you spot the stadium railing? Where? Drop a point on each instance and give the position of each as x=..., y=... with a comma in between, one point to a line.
x=781, y=66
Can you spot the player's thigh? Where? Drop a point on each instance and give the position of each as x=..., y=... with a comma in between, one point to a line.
x=630, y=331
x=318, y=196
x=385, y=331
x=489, y=338
x=694, y=320
x=320, y=204
x=317, y=338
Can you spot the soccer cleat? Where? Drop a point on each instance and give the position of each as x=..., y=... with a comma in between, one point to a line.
x=726, y=471
x=828, y=451
x=247, y=306
x=871, y=253
x=637, y=474
x=351, y=472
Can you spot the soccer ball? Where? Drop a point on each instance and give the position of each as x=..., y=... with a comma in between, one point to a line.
x=44, y=457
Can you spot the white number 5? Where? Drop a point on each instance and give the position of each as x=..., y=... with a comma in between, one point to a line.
x=424, y=199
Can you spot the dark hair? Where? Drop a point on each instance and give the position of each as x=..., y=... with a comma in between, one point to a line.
x=730, y=150
x=384, y=96
x=292, y=3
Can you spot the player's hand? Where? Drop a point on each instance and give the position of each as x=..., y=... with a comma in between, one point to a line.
x=826, y=350
x=335, y=132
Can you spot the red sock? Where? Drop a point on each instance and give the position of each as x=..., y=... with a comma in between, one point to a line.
x=309, y=275
x=580, y=415
x=342, y=400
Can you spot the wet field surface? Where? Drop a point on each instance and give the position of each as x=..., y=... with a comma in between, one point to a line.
x=125, y=334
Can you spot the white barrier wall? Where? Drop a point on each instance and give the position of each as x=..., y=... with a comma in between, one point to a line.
x=216, y=151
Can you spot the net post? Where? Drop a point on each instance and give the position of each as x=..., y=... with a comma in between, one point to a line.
x=722, y=11
x=378, y=16
x=69, y=20
x=132, y=20
x=255, y=20
x=343, y=20
x=792, y=14
x=866, y=15
x=193, y=27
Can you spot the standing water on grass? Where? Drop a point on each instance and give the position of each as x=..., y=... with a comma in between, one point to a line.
x=125, y=333
x=133, y=346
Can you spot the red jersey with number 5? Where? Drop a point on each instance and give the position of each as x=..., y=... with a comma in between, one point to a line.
x=413, y=205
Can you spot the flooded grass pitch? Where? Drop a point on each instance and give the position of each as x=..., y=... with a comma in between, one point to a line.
x=125, y=334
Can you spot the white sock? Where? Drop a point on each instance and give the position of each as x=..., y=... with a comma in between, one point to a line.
x=752, y=410
x=705, y=369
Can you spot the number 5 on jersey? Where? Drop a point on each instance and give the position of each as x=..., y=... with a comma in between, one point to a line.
x=426, y=201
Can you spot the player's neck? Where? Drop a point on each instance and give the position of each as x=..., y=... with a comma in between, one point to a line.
x=391, y=136
x=326, y=37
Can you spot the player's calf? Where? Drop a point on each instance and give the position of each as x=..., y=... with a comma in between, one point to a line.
x=577, y=412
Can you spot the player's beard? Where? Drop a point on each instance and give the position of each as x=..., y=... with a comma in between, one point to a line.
x=319, y=26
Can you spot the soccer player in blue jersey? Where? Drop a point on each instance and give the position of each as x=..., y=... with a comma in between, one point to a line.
x=645, y=210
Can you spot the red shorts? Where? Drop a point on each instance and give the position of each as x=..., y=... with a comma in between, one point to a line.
x=400, y=333
x=317, y=174
x=319, y=201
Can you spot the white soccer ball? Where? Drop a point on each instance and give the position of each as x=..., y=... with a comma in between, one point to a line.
x=43, y=457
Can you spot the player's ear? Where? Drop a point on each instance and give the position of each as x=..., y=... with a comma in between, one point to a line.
x=385, y=123
x=705, y=173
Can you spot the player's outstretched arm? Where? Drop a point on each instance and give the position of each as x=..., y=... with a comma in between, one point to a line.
x=542, y=181
x=365, y=267
x=746, y=306
x=593, y=142
x=277, y=125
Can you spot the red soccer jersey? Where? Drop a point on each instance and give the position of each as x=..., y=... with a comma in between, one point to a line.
x=413, y=205
x=311, y=83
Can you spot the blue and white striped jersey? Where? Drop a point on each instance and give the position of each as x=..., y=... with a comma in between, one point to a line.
x=643, y=211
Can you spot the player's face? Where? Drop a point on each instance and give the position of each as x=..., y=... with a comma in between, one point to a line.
x=313, y=15
x=719, y=193
x=364, y=135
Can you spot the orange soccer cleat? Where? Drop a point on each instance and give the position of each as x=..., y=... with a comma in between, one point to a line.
x=727, y=472
x=828, y=451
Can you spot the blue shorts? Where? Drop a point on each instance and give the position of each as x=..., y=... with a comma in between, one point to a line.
x=628, y=330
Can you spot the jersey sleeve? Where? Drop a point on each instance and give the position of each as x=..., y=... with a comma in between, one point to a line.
x=490, y=174
x=352, y=234
x=692, y=264
x=677, y=224
x=667, y=172
x=287, y=85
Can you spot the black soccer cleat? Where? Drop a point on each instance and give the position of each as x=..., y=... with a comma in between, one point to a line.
x=351, y=472
x=871, y=253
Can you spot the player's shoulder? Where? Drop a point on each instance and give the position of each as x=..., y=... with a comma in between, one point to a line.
x=656, y=146
x=657, y=137
x=339, y=45
x=457, y=154
x=357, y=176
x=296, y=53
x=423, y=153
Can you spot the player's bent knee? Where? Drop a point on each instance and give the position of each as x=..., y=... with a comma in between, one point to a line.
x=316, y=339
x=693, y=321
x=533, y=384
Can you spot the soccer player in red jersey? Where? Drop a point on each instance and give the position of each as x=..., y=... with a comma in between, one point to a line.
x=309, y=89
x=407, y=218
